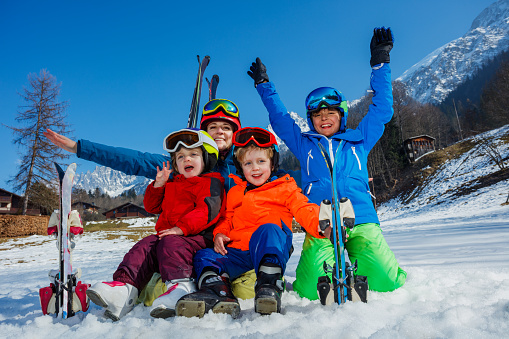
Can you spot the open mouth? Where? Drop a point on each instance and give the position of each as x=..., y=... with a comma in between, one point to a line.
x=326, y=126
x=188, y=168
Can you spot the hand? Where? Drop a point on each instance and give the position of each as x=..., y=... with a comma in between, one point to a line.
x=163, y=174
x=258, y=72
x=174, y=230
x=325, y=232
x=381, y=45
x=219, y=242
x=61, y=141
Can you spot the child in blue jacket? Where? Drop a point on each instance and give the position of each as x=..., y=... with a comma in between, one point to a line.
x=348, y=151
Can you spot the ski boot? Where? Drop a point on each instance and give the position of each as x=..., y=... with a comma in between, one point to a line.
x=47, y=295
x=73, y=223
x=164, y=306
x=268, y=289
x=214, y=294
x=116, y=297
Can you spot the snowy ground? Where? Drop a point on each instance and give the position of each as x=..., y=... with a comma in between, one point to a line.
x=456, y=254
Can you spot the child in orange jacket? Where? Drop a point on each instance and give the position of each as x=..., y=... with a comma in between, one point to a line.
x=255, y=234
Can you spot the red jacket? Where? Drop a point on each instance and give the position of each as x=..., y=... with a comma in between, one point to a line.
x=192, y=205
x=273, y=202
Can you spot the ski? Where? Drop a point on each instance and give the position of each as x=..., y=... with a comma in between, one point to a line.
x=338, y=236
x=65, y=179
x=213, y=86
x=195, y=103
x=65, y=295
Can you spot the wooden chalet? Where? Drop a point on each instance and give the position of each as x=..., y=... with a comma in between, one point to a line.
x=85, y=206
x=127, y=210
x=416, y=147
x=11, y=203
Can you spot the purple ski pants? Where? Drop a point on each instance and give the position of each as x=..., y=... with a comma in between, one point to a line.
x=171, y=256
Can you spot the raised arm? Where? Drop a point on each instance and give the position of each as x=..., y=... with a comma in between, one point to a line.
x=125, y=160
x=282, y=123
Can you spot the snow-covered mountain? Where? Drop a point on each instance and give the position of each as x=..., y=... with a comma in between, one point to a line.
x=440, y=72
x=110, y=181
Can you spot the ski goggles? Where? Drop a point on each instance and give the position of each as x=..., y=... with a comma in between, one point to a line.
x=188, y=138
x=258, y=136
x=228, y=107
x=323, y=96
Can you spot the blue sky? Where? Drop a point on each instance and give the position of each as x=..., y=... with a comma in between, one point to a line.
x=128, y=68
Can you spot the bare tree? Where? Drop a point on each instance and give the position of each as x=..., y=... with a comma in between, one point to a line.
x=42, y=110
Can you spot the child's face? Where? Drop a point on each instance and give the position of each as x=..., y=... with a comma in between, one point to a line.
x=256, y=166
x=190, y=161
x=222, y=133
x=326, y=121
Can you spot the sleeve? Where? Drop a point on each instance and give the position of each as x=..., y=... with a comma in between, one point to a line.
x=380, y=111
x=153, y=199
x=125, y=160
x=208, y=208
x=304, y=212
x=282, y=123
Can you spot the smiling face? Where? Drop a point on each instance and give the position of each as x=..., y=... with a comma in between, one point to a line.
x=189, y=161
x=222, y=133
x=256, y=165
x=326, y=121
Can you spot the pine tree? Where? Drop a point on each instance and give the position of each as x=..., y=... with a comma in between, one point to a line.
x=41, y=110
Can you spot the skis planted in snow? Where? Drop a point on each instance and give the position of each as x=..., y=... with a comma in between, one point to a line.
x=340, y=214
x=65, y=279
x=65, y=296
x=195, y=103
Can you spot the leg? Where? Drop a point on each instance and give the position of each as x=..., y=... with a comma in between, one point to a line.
x=133, y=273
x=270, y=250
x=139, y=264
x=214, y=290
x=367, y=246
x=175, y=255
x=314, y=252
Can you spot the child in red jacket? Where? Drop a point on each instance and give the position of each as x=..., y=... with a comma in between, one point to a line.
x=189, y=205
x=255, y=234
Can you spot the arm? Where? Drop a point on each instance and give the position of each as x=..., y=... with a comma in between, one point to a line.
x=304, y=212
x=282, y=123
x=380, y=111
x=125, y=160
x=154, y=194
x=129, y=161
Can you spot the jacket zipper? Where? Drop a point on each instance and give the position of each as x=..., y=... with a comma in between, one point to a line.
x=309, y=156
x=309, y=188
x=358, y=161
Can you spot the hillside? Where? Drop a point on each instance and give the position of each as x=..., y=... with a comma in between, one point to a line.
x=456, y=173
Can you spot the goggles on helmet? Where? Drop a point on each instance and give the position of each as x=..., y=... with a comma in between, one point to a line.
x=228, y=107
x=323, y=97
x=189, y=138
x=258, y=136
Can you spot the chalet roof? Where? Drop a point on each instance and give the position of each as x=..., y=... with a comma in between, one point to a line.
x=123, y=205
x=420, y=136
x=6, y=191
x=82, y=202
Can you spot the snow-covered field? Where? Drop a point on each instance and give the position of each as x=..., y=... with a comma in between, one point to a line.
x=456, y=254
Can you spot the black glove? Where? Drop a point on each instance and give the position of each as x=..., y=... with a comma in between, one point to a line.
x=258, y=72
x=381, y=45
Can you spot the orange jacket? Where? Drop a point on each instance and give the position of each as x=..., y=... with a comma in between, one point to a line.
x=273, y=202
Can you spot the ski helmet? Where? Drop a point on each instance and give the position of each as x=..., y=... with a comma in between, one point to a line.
x=326, y=97
x=191, y=138
x=220, y=110
x=258, y=137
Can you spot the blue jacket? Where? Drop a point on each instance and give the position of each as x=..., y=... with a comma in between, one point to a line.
x=347, y=150
x=143, y=164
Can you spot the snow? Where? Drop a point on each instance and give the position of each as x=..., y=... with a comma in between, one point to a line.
x=455, y=251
